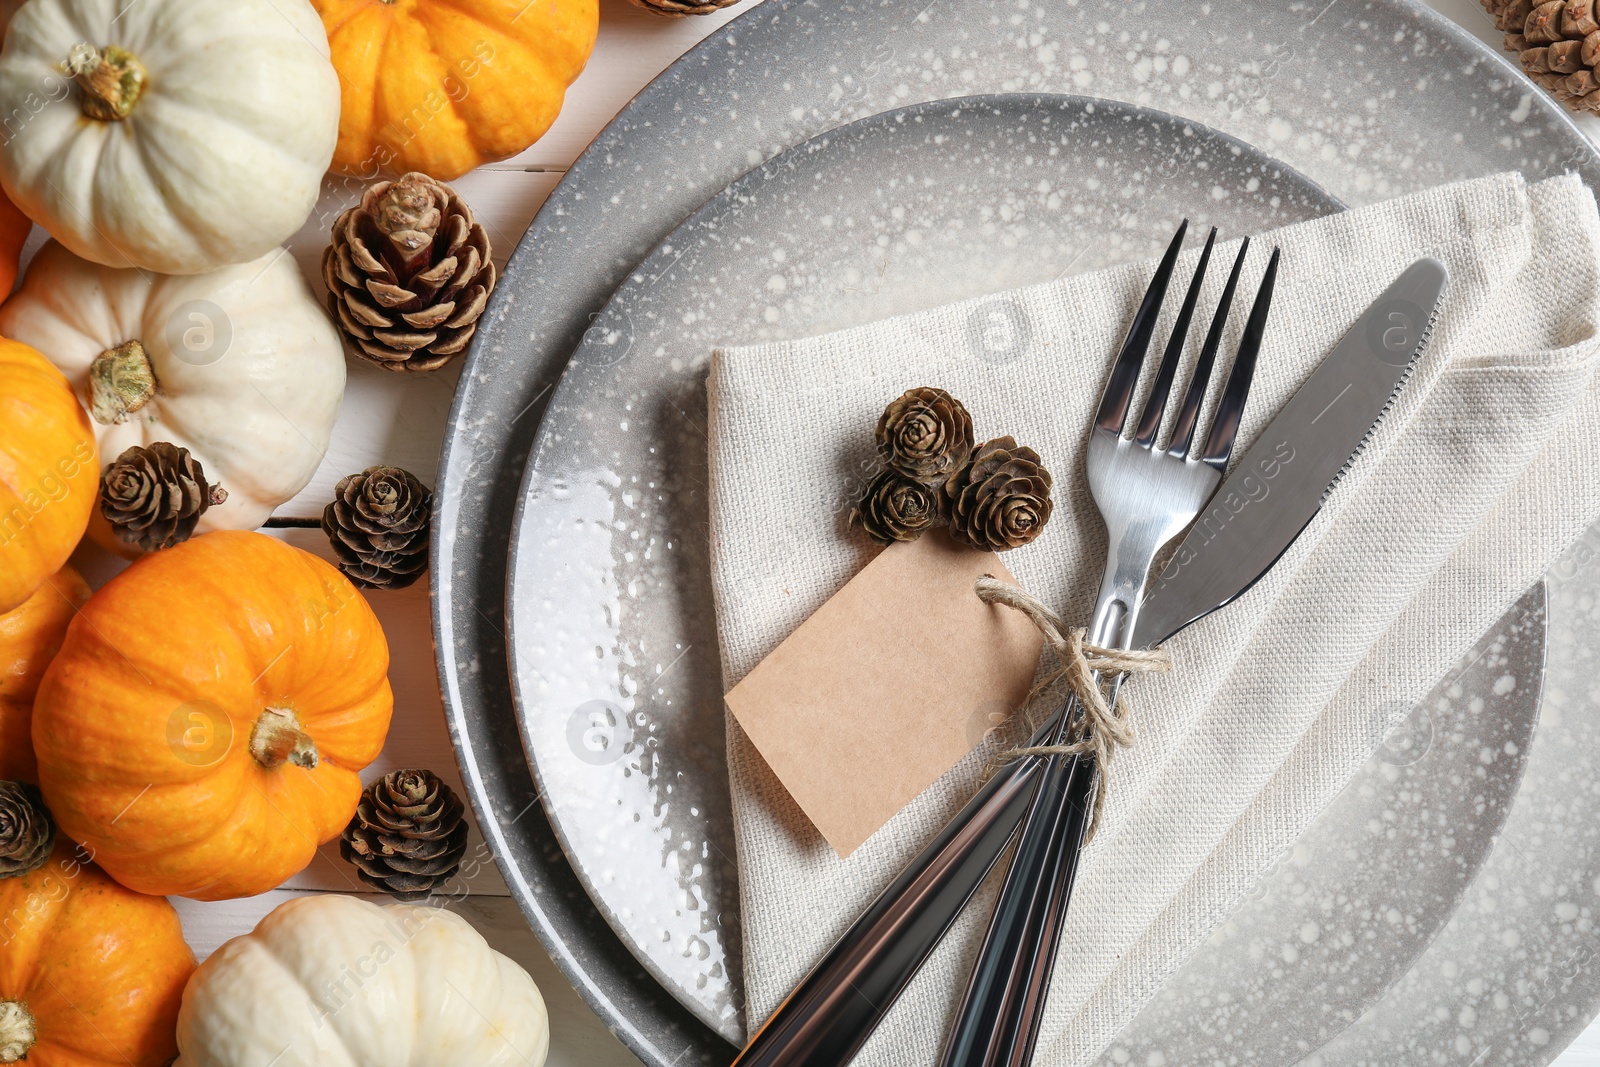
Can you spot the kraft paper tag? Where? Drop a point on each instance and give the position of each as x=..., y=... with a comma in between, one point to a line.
x=896, y=678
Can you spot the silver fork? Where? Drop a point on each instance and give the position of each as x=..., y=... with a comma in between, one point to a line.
x=1146, y=496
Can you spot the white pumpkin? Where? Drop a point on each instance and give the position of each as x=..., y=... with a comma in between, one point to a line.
x=240, y=366
x=173, y=135
x=336, y=981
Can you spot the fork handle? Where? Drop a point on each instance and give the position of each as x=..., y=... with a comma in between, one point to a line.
x=831, y=1013
x=1001, y=1012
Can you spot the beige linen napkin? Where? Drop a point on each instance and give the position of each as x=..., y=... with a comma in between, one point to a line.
x=1486, y=468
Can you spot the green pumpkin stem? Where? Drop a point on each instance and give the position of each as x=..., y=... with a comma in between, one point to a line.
x=18, y=1031
x=111, y=78
x=121, y=381
x=277, y=739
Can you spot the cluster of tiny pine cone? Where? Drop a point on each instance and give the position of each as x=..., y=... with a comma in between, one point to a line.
x=993, y=496
x=1558, y=44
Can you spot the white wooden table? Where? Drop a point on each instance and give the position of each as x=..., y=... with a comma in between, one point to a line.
x=397, y=419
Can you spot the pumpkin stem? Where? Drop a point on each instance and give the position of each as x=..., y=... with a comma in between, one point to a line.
x=121, y=381
x=18, y=1031
x=277, y=738
x=111, y=78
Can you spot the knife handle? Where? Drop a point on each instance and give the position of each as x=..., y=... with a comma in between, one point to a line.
x=831, y=1013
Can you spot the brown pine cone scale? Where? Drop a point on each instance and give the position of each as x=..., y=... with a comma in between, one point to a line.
x=897, y=508
x=926, y=434
x=408, y=274
x=27, y=832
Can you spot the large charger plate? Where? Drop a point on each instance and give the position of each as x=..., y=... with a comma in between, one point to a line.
x=1315, y=83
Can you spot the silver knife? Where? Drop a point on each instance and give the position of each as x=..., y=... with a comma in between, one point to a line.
x=1294, y=462
x=1280, y=484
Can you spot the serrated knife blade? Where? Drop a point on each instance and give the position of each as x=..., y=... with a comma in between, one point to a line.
x=1275, y=490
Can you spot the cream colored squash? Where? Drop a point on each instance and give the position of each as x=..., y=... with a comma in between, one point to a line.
x=240, y=366
x=173, y=135
x=336, y=981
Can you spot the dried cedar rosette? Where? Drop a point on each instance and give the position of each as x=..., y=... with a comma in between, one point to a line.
x=408, y=834
x=925, y=434
x=408, y=274
x=897, y=508
x=1001, y=499
x=27, y=832
x=377, y=523
x=154, y=497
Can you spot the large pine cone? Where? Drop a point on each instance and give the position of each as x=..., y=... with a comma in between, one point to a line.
x=926, y=434
x=408, y=834
x=408, y=274
x=378, y=525
x=27, y=832
x=1001, y=499
x=1557, y=43
x=677, y=9
x=897, y=508
x=154, y=497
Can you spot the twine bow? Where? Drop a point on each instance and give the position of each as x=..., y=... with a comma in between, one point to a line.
x=1103, y=728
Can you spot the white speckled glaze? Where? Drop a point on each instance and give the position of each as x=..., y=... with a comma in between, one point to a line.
x=1312, y=83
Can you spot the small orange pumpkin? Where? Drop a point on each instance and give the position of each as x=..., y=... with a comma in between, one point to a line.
x=90, y=973
x=201, y=729
x=442, y=86
x=49, y=472
x=30, y=637
x=14, y=229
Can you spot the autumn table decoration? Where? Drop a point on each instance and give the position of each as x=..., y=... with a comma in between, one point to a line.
x=48, y=472
x=408, y=834
x=30, y=637
x=91, y=973
x=27, y=833
x=408, y=274
x=334, y=979
x=992, y=496
x=249, y=682
x=457, y=86
x=1557, y=43
x=154, y=497
x=239, y=366
x=187, y=134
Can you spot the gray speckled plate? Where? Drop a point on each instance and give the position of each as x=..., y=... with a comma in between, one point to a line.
x=1319, y=85
x=619, y=692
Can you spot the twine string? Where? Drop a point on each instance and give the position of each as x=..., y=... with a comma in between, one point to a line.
x=1103, y=727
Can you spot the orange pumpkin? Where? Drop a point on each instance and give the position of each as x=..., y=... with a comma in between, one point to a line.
x=202, y=727
x=49, y=472
x=90, y=973
x=442, y=86
x=30, y=637
x=14, y=229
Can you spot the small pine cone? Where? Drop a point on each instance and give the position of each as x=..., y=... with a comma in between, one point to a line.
x=1001, y=499
x=408, y=274
x=1558, y=44
x=27, y=832
x=408, y=834
x=897, y=508
x=378, y=525
x=677, y=9
x=925, y=434
x=154, y=496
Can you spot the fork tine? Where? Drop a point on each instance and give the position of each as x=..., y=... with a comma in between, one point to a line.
x=1225, y=426
x=1125, y=371
x=1156, y=405
x=1189, y=413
